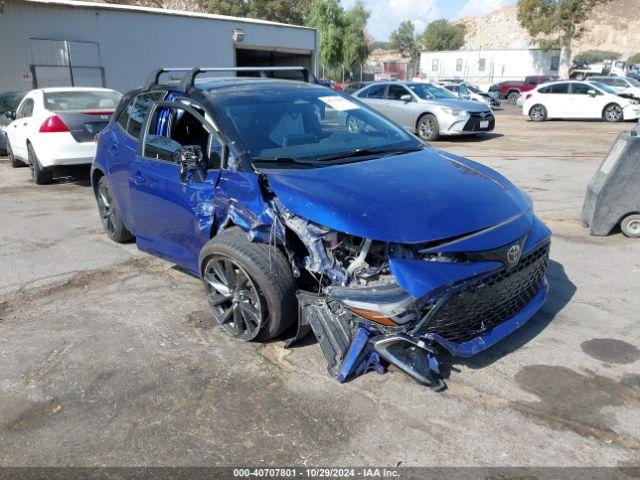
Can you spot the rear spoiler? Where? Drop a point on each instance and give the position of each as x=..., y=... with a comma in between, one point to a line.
x=188, y=79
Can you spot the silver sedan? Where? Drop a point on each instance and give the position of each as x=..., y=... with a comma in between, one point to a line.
x=426, y=109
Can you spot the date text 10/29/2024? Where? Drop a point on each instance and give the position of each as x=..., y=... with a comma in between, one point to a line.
x=317, y=472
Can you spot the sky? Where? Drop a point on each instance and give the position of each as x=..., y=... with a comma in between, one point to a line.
x=386, y=15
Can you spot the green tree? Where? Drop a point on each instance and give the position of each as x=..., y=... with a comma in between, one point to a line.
x=236, y=8
x=355, y=47
x=597, y=56
x=634, y=58
x=379, y=44
x=286, y=11
x=556, y=19
x=443, y=35
x=342, y=43
x=326, y=17
x=403, y=39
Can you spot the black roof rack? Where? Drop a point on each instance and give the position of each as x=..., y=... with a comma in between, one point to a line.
x=154, y=77
x=188, y=80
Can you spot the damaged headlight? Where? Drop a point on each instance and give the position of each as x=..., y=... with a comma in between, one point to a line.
x=385, y=304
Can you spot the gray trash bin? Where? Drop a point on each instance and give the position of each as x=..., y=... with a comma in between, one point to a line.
x=613, y=195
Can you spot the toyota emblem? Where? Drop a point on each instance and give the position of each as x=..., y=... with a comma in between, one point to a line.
x=513, y=254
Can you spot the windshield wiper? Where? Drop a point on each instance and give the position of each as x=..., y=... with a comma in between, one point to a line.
x=366, y=152
x=284, y=161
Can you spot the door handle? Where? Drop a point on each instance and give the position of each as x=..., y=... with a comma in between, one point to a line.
x=137, y=177
x=25, y=124
x=113, y=149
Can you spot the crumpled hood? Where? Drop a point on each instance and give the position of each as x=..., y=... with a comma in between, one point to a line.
x=411, y=198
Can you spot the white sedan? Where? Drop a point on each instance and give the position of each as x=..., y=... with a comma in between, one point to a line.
x=57, y=126
x=580, y=100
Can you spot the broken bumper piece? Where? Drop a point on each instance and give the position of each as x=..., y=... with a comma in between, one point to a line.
x=354, y=344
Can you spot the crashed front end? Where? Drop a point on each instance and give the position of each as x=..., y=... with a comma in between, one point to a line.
x=373, y=303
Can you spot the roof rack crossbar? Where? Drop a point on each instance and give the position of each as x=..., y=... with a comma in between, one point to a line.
x=154, y=76
x=189, y=78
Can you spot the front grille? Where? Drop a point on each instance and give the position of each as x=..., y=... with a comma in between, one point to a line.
x=476, y=307
x=473, y=124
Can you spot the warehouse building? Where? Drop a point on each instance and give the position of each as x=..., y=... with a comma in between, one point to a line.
x=484, y=67
x=46, y=43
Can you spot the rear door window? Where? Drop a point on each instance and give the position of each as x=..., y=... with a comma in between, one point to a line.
x=559, y=88
x=137, y=110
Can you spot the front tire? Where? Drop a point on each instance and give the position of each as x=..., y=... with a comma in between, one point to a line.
x=612, y=113
x=630, y=226
x=110, y=213
x=428, y=127
x=39, y=174
x=538, y=113
x=249, y=286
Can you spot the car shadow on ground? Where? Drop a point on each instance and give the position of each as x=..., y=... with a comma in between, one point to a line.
x=481, y=137
x=74, y=175
x=561, y=290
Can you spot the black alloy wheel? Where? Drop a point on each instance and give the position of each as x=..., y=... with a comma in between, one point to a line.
x=234, y=297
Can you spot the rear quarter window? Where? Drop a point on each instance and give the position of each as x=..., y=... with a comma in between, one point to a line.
x=137, y=110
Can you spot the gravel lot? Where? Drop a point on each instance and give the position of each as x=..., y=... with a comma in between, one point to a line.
x=108, y=356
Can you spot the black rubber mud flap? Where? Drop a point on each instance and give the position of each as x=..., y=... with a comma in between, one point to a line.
x=330, y=326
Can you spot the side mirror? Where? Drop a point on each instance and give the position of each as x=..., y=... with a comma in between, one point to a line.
x=190, y=159
x=10, y=114
x=406, y=97
x=592, y=93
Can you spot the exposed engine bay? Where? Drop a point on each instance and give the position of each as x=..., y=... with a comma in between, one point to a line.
x=362, y=319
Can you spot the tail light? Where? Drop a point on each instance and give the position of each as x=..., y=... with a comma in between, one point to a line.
x=529, y=95
x=53, y=124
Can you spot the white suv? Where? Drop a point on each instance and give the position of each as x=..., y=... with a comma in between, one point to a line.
x=578, y=100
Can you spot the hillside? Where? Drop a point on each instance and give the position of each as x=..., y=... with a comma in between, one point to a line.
x=614, y=27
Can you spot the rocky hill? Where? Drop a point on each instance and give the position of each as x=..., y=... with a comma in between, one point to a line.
x=614, y=27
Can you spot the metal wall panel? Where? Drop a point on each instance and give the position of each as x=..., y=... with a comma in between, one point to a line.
x=132, y=43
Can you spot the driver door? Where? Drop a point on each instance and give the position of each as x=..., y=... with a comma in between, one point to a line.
x=400, y=111
x=173, y=213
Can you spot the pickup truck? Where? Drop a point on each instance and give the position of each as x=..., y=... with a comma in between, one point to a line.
x=511, y=90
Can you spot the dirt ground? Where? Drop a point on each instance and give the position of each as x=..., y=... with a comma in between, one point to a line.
x=109, y=356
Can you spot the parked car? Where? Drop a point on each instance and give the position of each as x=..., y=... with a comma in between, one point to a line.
x=428, y=110
x=57, y=126
x=584, y=70
x=354, y=87
x=582, y=100
x=471, y=92
x=624, y=86
x=9, y=102
x=512, y=90
x=390, y=251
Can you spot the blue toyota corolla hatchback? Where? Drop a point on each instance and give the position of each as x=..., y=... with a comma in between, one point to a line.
x=302, y=209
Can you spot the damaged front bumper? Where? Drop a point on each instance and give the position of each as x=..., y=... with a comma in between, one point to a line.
x=366, y=328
